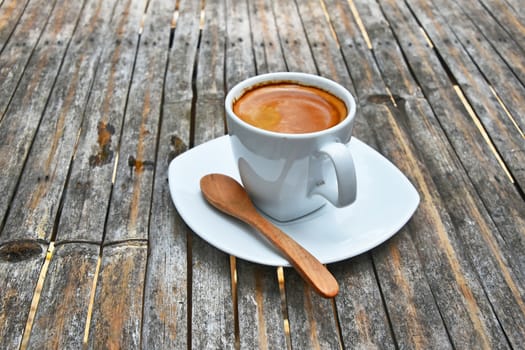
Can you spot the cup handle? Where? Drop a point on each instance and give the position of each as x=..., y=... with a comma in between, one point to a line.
x=343, y=163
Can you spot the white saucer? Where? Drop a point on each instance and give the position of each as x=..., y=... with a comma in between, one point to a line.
x=385, y=202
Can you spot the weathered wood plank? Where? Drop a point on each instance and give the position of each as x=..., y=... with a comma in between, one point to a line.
x=457, y=289
x=117, y=310
x=212, y=321
x=499, y=196
x=294, y=43
x=165, y=320
x=493, y=32
x=261, y=322
x=20, y=265
x=266, y=44
x=132, y=192
x=19, y=125
x=515, y=5
x=210, y=80
x=311, y=317
x=373, y=113
x=90, y=183
x=16, y=52
x=42, y=182
x=494, y=262
x=166, y=299
x=60, y=320
x=361, y=312
x=510, y=17
x=502, y=130
x=239, y=55
x=183, y=53
x=209, y=119
x=212, y=316
x=478, y=236
x=407, y=294
x=322, y=42
x=10, y=13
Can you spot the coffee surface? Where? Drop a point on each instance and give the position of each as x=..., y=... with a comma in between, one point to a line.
x=290, y=108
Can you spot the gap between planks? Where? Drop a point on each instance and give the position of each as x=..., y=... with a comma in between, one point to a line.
x=473, y=115
x=92, y=301
x=459, y=92
x=36, y=297
x=360, y=24
x=49, y=254
x=280, y=278
x=482, y=130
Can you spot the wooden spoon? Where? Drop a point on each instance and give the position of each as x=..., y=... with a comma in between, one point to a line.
x=229, y=196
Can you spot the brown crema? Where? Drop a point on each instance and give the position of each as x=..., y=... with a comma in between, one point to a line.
x=290, y=108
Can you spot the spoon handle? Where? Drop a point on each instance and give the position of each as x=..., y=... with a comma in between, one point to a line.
x=307, y=265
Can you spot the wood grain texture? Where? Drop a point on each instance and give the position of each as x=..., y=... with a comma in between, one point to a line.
x=462, y=204
x=311, y=317
x=495, y=262
x=511, y=17
x=23, y=117
x=212, y=321
x=129, y=210
x=361, y=312
x=415, y=319
x=16, y=52
x=265, y=35
x=499, y=196
x=92, y=89
x=90, y=182
x=505, y=132
x=182, y=58
x=294, y=43
x=372, y=113
x=60, y=320
x=239, y=54
x=322, y=42
x=20, y=265
x=10, y=13
x=486, y=248
x=41, y=185
x=457, y=290
x=261, y=321
x=117, y=311
x=508, y=49
x=209, y=120
x=166, y=298
x=212, y=314
x=439, y=91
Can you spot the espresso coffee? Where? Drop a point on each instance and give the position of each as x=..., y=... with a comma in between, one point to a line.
x=290, y=108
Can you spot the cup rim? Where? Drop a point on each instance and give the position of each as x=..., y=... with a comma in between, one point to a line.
x=306, y=79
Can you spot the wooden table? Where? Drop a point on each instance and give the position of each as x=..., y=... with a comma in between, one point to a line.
x=98, y=96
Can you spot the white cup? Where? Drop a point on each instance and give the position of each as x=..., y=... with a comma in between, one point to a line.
x=291, y=175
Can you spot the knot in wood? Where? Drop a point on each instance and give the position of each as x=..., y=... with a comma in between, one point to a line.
x=19, y=250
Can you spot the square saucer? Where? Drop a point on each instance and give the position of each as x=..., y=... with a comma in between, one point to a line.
x=385, y=202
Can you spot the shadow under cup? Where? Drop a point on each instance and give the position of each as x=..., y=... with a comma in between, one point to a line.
x=291, y=175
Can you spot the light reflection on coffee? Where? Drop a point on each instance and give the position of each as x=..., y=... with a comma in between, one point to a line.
x=290, y=108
